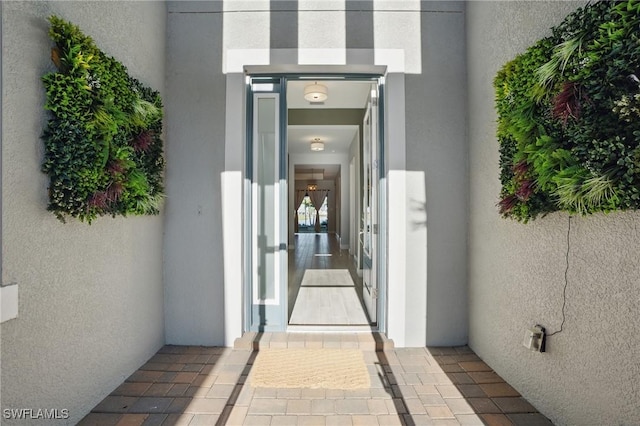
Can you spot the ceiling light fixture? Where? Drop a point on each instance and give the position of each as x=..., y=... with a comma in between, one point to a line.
x=317, y=145
x=316, y=92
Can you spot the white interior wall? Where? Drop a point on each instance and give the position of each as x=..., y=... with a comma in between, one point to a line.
x=590, y=373
x=90, y=296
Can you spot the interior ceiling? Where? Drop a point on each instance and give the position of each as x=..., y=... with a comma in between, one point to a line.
x=337, y=139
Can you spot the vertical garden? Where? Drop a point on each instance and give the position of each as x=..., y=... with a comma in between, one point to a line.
x=569, y=117
x=103, y=147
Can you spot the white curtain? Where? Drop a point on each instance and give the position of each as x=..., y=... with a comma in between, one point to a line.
x=299, y=196
x=317, y=198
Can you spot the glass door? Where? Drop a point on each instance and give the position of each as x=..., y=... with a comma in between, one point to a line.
x=266, y=227
x=370, y=205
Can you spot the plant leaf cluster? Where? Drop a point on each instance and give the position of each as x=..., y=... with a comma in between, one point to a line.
x=569, y=116
x=103, y=147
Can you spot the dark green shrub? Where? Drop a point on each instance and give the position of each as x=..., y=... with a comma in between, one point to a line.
x=103, y=151
x=569, y=116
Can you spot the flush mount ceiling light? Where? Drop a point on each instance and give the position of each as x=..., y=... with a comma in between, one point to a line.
x=317, y=145
x=316, y=92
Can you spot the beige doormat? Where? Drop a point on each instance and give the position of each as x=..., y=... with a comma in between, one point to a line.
x=310, y=368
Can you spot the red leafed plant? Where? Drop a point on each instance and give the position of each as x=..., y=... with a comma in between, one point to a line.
x=142, y=142
x=524, y=190
x=566, y=104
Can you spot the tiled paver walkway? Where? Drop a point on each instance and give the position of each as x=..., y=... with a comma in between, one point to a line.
x=187, y=385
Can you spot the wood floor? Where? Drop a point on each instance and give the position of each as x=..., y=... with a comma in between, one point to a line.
x=324, y=289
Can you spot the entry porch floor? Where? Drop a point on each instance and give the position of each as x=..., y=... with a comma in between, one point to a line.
x=193, y=385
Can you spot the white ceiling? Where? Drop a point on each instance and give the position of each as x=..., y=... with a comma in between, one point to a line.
x=337, y=138
x=330, y=171
x=341, y=94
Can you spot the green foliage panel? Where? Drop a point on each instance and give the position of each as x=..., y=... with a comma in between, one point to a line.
x=569, y=117
x=103, y=151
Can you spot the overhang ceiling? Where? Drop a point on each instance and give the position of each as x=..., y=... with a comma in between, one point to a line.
x=337, y=138
x=342, y=94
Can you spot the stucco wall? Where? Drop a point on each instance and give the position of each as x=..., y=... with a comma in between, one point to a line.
x=91, y=298
x=422, y=45
x=194, y=300
x=437, y=173
x=590, y=372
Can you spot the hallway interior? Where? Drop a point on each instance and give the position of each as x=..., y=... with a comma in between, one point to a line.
x=324, y=288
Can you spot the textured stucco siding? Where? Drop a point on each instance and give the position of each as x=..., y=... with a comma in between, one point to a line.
x=437, y=164
x=423, y=45
x=194, y=300
x=91, y=296
x=590, y=373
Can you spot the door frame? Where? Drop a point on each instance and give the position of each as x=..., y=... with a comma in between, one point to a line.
x=382, y=204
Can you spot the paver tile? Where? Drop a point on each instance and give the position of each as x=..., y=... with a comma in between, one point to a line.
x=299, y=406
x=155, y=419
x=448, y=391
x=377, y=407
x=220, y=391
x=439, y=412
x=182, y=419
x=205, y=406
x=364, y=420
x=131, y=389
x=132, y=419
x=498, y=390
x=145, y=376
x=529, y=419
x=514, y=405
x=311, y=421
x=325, y=407
x=252, y=420
x=469, y=420
x=268, y=406
x=289, y=393
x=460, y=378
x=471, y=391
x=313, y=393
x=396, y=406
x=204, y=420
x=485, y=377
x=178, y=405
x=432, y=399
x=459, y=406
x=388, y=420
x=284, y=420
x=496, y=420
x=352, y=406
x=158, y=389
x=150, y=404
x=483, y=405
x=415, y=406
x=100, y=419
x=236, y=415
x=182, y=385
x=115, y=404
x=475, y=366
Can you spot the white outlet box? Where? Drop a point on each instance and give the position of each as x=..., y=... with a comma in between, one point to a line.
x=534, y=339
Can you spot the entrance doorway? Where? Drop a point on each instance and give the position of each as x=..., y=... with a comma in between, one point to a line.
x=302, y=154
